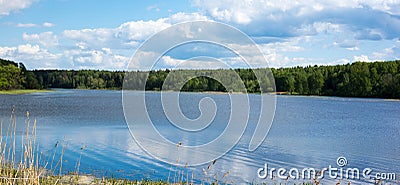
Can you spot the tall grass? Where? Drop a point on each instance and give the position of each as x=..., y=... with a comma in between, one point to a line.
x=21, y=162
x=23, y=169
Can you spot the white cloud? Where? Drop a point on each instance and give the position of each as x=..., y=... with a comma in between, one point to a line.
x=169, y=61
x=128, y=35
x=92, y=47
x=26, y=25
x=227, y=10
x=28, y=49
x=286, y=33
x=32, y=55
x=197, y=63
x=386, y=54
x=140, y=30
x=355, y=48
x=106, y=50
x=278, y=60
x=47, y=24
x=95, y=59
x=340, y=61
x=31, y=25
x=142, y=60
x=92, y=36
x=367, y=19
x=34, y=52
x=46, y=39
x=99, y=48
x=362, y=58
x=351, y=45
x=7, y=51
x=290, y=45
x=153, y=7
x=320, y=28
x=183, y=17
x=391, y=53
x=8, y=6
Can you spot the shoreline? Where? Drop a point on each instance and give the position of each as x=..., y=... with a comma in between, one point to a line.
x=24, y=91
x=31, y=91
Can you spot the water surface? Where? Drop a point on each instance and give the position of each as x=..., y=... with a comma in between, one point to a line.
x=307, y=132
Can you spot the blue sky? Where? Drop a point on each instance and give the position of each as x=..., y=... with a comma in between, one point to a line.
x=82, y=34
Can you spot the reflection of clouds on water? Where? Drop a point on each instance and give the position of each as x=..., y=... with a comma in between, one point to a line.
x=305, y=133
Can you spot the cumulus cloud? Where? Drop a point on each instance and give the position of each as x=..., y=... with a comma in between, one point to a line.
x=7, y=52
x=139, y=30
x=385, y=54
x=183, y=17
x=391, y=53
x=142, y=60
x=39, y=58
x=28, y=49
x=32, y=55
x=45, y=39
x=170, y=62
x=89, y=59
x=7, y=6
x=101, y=48
x=89, y=44
x=286, y=32
x=129, y=34
x=362, y=58
x=367, y=19
x=93, y=37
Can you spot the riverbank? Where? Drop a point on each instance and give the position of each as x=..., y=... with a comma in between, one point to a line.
x=25, y=91
x=76, y=179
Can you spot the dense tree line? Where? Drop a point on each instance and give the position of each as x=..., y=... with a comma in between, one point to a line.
x=359, y=79
x=13, y=75
x=82, y=79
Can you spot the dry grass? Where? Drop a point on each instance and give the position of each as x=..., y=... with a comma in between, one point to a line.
x=23, y=169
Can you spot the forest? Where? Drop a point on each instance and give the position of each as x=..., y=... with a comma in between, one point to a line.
x=358, y=79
